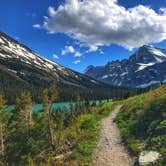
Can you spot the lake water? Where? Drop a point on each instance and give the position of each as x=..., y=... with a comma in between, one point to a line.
x=56, y=106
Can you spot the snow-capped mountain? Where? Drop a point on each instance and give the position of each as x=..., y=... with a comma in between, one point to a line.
x=21, y=68
x=144, y=68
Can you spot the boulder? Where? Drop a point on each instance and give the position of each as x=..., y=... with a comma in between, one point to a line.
x=147, y=157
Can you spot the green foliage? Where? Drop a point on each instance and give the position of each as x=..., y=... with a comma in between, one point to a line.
x=50, y=137
x=104, y=109
x=142, y=122
x=2, y=101
x=23, y=101
x=87, y=126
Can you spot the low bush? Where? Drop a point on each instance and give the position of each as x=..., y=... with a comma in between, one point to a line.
x=142, y=122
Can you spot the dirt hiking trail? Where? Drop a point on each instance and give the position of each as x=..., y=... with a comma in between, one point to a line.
x=110, y=150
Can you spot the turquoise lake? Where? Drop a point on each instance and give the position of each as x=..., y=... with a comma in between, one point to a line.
x=56, y=106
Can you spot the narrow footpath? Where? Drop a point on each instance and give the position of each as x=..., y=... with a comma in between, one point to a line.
x=110, y=150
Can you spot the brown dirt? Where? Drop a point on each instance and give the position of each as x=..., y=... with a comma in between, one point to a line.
x=110, y=150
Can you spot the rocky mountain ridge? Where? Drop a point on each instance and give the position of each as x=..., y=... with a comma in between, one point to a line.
x=144, y=68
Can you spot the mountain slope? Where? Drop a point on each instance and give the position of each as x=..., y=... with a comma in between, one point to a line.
x=21, y=68
x=142, y=123
x=23, y=62
x=144, y=68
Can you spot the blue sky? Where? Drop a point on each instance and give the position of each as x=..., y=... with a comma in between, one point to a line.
x=17, y=18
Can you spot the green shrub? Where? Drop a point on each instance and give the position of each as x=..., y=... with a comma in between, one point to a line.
x=142, y=122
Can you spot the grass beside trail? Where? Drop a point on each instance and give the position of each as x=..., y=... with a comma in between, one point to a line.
x=142, y=123
x=85, y=129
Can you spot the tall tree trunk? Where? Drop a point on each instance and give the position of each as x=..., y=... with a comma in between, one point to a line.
x=51, y=135
x=2, y=140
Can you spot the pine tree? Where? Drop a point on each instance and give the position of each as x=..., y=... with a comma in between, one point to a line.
x=48, y=96
x=19, y=130
x=24, y=105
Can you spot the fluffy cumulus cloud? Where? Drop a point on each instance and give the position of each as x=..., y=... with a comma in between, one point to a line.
x=71, y=50
x=104, y=22
x=67, y=50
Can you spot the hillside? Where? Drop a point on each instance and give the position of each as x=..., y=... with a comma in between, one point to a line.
x=144, y=68
x=23, y=69
x=142, y=122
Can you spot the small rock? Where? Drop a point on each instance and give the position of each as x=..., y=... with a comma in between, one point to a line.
x=60, y=157
x=147, y=157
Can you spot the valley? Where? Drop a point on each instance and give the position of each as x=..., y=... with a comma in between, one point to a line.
x=87, y=134
x=80, y=120
x=82, y=83
x=23, y=69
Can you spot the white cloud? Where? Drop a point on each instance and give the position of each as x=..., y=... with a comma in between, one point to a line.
x=37, y=26
x=78, y=54
x=92, y=48
x=67, y=50
x=51, y=11
x=104, y=22
x=101, y=51
x=76, y=62
x=71, y=50
x=55, y=56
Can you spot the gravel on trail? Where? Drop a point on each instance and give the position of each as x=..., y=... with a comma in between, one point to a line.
x=110, y=150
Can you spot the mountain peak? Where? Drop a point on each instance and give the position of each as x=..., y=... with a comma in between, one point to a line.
x=142, y=69
x=151, y=49
x=88, y=68
x=145, y=48
x=149, y=54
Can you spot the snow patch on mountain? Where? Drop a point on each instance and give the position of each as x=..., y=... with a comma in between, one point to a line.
x=143, y=66
x=123, y=74
x=1, y=41
x=158, y=60
x=157, y=52
x=105, y=76
x=148, y=84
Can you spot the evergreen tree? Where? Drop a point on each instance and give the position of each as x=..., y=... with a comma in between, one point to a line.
x=48, y=96
x=23, y=106
x=19, y=130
